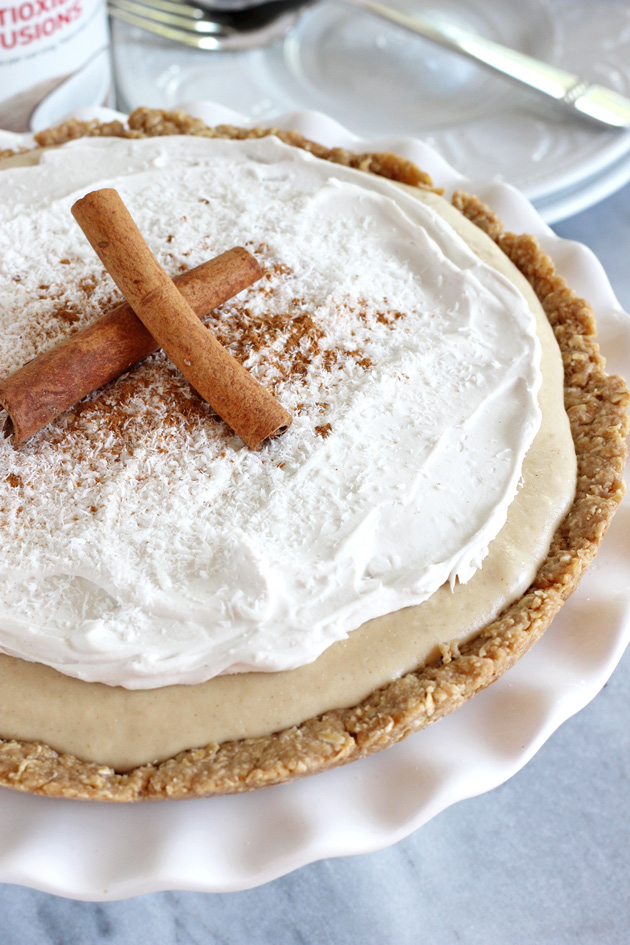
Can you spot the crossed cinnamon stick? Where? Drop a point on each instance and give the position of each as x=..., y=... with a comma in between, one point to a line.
x=158, y=313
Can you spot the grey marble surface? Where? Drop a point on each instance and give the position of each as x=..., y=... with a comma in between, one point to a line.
x=543, y=859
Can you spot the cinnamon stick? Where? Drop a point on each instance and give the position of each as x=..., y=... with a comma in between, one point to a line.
x=244, y=404
x=59, y=378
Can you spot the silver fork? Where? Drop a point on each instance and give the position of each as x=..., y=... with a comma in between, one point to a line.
x=183, y=22
x=268, y=21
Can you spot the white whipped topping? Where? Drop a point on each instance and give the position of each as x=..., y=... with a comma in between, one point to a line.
x=162, y=550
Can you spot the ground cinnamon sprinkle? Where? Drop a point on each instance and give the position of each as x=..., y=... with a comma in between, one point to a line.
x=389, y=317
x=285, y=347
x=288, y=344
x=66, y=315
x=128, y=409
x=277, y=347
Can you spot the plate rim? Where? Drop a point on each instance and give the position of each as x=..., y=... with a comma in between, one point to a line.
x=336, y=813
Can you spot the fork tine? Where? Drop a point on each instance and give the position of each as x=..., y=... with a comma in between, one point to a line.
x=173, y=6
x=183, y=22
x=166, y=32
x=160, y=15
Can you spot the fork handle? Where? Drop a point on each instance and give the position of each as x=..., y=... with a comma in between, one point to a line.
x=594, y=101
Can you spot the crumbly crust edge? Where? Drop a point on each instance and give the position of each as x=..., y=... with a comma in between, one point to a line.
x=597, y=406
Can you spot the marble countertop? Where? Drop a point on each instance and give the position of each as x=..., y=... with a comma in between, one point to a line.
x=543, y=859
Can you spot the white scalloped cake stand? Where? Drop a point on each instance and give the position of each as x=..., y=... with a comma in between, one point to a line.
x=97, y=851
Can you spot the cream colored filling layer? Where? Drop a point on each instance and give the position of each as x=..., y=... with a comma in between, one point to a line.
x=124, y=728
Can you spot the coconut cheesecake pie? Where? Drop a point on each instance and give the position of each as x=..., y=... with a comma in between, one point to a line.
x=182, y=615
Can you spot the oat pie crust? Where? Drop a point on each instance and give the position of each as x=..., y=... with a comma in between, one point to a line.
x=597, y=407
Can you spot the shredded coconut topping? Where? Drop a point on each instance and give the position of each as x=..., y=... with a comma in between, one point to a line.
x=141, y=543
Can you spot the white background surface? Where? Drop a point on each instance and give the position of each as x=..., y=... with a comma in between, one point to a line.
x=542, y=858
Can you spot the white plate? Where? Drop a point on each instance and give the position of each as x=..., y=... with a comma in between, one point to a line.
x=98, y=852
x=378, y=79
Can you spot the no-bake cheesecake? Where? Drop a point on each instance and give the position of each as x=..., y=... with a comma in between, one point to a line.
x=182, y=616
